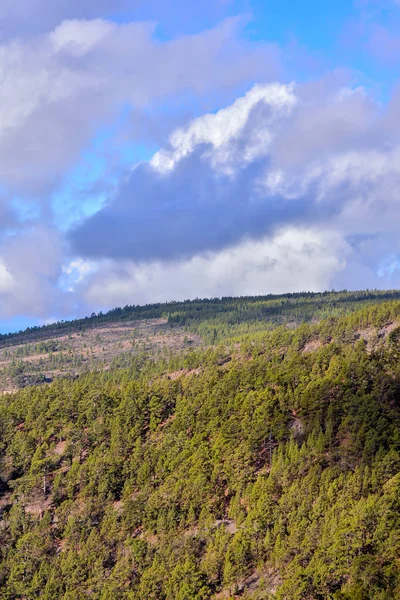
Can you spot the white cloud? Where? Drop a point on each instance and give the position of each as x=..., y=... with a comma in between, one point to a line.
x=282, y=154
x=79, y=37
x=223, y=129
x=293, y=260
x=29, y=270
x=75, y=272
x=6, y=279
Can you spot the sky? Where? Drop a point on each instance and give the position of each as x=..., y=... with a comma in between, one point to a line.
x=154, y=151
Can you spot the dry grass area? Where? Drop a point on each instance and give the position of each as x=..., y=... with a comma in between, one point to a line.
x=29, y=360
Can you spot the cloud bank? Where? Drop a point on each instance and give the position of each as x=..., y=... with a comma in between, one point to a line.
x=282, y=160
x=60, y=87
x=251, y=268
x=137, y=166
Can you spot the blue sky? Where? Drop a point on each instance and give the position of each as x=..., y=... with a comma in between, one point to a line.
x=152, y=151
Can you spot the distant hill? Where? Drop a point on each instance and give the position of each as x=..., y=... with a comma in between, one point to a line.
x=236, y=448
x=260, y=311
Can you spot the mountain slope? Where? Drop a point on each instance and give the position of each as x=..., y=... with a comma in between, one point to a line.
x=265, y=468
x=40, y=354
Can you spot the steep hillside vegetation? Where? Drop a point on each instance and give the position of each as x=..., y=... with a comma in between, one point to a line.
x=40, y=354
x=265, y=467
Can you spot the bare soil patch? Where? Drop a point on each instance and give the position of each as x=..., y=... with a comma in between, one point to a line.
x=21, y=362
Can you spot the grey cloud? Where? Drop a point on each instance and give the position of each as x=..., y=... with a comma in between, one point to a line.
x=324, y=124
x=384, y=45
x=30, y=264
x=375, y=31
x=21, y=17
x=225, y=205
x=322, y=159
x=369, y=264
x=8, y=214
x=182, y=213
x=59, y=88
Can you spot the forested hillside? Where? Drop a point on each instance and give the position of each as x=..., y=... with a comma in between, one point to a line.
x=218, y=318
x=263, y=463
x=40, y=354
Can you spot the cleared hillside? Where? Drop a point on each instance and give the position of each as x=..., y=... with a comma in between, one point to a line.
x=32, y=360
